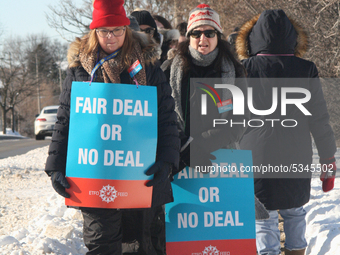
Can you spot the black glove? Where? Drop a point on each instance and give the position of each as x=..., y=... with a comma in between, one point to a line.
x=161, y=171
x=184, y=158
x=59, y=183
x=199, y=157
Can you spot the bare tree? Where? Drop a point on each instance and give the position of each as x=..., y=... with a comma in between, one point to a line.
x=66, y=17
x=17, y=82
x=29, y=71
x=1, y=30
x=58, y=52
x=321, y=19
x=8, y=73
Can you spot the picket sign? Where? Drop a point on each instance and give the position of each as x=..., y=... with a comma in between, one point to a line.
x=112, y=142
x=213, y=213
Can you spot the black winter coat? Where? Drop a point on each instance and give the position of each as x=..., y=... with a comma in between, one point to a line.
x=274, y=35
x=168, y=141
x=212, y=138
x=208, y=137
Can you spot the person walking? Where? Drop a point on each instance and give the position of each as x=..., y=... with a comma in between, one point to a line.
x=204, y=55
x=105, y=230
x=271, y=46
x=182, y=28
x=161, y=22
x=170, y=41
x=232, y=38
x=147, y=24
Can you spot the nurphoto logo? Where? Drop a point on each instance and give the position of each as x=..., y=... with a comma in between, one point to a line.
x=281, y=100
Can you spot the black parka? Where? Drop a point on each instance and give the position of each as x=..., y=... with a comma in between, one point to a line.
x=280, y=43
x=212, y=138
x=168, y=142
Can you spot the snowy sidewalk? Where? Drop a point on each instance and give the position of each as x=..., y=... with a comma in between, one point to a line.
x=34, y=219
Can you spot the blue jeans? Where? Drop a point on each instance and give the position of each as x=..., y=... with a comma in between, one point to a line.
x=268, y=234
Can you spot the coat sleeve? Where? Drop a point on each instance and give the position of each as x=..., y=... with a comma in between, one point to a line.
x=319, y=120
x=168, y=144
x=56, y=160
x=166, y=66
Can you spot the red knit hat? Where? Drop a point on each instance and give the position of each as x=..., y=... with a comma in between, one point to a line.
x=109, y=13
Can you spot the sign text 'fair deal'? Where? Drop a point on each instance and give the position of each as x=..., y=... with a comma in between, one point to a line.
x=112, y=142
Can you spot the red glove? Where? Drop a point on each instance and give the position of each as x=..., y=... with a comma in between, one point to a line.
x=328, y=171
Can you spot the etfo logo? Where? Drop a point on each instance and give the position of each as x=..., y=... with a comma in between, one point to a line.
x=212, y=250
x=108, y=193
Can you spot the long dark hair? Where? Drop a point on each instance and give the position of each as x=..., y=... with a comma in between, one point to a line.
x=224, y=52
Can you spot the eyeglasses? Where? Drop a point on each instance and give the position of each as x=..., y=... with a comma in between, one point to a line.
x=149, y=30
x=208, y=33
x=115, y=32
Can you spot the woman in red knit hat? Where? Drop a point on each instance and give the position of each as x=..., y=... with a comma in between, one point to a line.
x=114, y=231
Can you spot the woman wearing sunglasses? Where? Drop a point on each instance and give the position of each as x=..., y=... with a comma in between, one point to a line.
x=204, y=55
x=147, y=24
x=113, y=231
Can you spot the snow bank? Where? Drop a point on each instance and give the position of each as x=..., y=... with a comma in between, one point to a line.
x=34, y=219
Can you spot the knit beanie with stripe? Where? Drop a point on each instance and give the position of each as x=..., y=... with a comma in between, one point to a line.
x=203, y=15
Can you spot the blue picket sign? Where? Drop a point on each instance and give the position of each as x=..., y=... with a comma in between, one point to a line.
x=213, y=209
x=112, y=127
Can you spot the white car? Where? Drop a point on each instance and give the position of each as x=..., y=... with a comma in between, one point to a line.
x=44, y=122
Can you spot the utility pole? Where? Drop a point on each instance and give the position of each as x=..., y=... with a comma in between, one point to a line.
x=13, y=119
x=37, y=74
x=60, y=82
x=13, y=99
x=13, y=112
x=3, y=98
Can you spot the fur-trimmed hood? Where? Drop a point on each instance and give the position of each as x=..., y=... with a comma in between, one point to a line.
x=151, y=50
x=271, y=32
x=169, y=34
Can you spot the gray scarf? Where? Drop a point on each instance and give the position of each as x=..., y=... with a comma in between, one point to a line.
x=176, y=76
x=202, y=60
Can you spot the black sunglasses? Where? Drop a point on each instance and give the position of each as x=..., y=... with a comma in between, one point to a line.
x=208, y=33
x=149, y=30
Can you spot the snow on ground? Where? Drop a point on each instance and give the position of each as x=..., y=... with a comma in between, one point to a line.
x=323, y=217
x=9, y=132
x=34, y=219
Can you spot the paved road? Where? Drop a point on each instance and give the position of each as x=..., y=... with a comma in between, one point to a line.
x=14, y=147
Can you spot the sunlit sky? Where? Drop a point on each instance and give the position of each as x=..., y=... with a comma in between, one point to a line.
x=23, y=17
